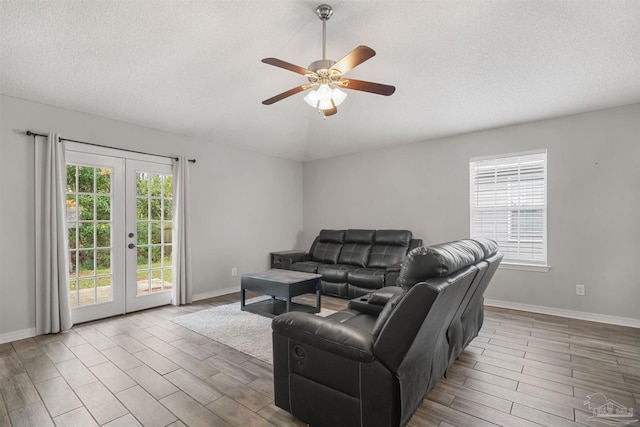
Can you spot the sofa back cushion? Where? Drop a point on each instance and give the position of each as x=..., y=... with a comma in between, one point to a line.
x=327, y=249
x=440, y=260
x=357, y=247
x=389, y=248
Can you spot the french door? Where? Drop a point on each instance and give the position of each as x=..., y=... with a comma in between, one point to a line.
x=119, y=220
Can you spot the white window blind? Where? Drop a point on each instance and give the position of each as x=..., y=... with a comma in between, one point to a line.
x=509, y=205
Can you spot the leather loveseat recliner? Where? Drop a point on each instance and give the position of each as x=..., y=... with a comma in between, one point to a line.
x=355, y=262
x=371, y=364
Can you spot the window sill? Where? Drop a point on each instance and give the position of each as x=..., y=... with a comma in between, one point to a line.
x=525, y=267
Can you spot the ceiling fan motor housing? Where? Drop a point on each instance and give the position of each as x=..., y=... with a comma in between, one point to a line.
x=321, y=64
x=324, y=74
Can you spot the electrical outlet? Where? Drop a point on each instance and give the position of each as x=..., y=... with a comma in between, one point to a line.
x=234, y=271
x=580, y=290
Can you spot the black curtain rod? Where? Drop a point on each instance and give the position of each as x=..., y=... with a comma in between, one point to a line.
x=106, y=146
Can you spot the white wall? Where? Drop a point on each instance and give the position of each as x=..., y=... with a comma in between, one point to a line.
x=244, y=204
x=253, y=204
x=593, y=203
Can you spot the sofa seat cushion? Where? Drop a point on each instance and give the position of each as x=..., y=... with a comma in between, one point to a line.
x=306, y=266
x=370, y=278
x=389, y=248
x=335, y=272
x=338, y=289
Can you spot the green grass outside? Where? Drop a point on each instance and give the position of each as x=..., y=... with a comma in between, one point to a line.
x=104, y=279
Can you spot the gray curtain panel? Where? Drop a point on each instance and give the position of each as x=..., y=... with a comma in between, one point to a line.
x=53, y=311
x=182, y=288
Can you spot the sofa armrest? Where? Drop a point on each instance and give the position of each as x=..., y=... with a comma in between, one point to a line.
x=362, y=305
x=383, y=295
x=391, y=274
x=326, y=334
x=299, y=256
x=284, y=259
x=374, y=302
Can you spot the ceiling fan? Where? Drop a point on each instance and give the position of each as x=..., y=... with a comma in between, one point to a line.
x=326, y=76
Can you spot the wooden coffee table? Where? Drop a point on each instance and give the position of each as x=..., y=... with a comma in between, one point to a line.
x=282, y=285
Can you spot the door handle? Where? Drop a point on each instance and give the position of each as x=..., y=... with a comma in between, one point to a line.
x=131, y=246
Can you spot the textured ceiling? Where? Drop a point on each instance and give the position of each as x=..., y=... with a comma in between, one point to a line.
x=193, y=67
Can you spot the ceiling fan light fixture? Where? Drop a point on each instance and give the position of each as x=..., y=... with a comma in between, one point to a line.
x=338, y=96
x=324, y=93
x=325, y=105
x=325, y=97
x=312, y=99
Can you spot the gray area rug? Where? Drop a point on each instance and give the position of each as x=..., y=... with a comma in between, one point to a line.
x=247, y=332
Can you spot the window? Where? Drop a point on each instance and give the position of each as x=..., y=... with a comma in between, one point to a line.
x=509, y=205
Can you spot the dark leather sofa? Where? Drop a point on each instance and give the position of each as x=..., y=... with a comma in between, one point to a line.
x=371, y=364
x=355, y=262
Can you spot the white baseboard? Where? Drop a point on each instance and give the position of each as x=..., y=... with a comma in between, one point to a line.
x=216, y=293
x=17, y=335
x=571, y=314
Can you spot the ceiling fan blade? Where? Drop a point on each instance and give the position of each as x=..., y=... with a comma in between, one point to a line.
x=330, y=111
x=370, y=87
x=354, y=58
x=287, y=66
x=286, y=94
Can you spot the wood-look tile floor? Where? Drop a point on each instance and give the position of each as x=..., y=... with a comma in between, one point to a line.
x=524, y=369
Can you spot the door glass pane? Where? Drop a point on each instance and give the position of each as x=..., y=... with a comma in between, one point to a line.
x=143, y=232
x=86, y=234
x=143, y=208
x=167, y=209
x=71, y=178
x=87, y=291
x=73, y=296
x=104, y=289
x=103, y=208
x=89, y=204
x=86, y=207
x=154, y=226
x=103, y=234
x=156, y=255
x=143, y=258
x=156, y=236
x=85, y=179
x=71, y=227
x=142, y=184
x=156, y=209
x=156, y=184
x=103, y=181
x=143, y=282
